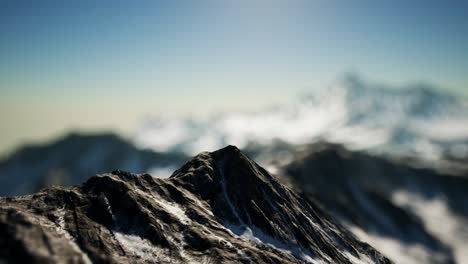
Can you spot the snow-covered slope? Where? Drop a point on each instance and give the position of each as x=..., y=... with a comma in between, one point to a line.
x=413, y=215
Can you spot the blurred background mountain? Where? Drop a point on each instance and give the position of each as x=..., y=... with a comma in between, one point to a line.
x=99, y=67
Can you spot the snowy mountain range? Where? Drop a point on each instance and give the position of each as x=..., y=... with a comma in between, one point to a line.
x=389, y=164
x=416, y=120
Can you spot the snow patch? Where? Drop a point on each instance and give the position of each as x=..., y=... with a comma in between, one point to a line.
x=362, y=259
x=256, y=235
x=439, y=220
x=396, y=250
x=138, y=246
x=175, y=210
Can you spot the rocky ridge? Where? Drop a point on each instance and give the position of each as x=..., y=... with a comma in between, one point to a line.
x=220, y=207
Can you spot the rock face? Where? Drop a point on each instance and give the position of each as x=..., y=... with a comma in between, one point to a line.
x=220, y=207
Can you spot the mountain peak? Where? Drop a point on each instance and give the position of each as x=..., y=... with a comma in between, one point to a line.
x=210, y=172
x=218, y=207
x=229, y=149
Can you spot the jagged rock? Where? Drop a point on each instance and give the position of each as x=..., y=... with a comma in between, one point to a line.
x=220, y=207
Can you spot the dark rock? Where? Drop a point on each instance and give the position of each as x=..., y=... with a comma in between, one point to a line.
x=220, y=207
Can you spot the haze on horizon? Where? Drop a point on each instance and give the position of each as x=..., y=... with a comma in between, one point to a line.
x=85, y=65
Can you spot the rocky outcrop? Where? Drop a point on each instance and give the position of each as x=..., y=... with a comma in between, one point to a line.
x=220, y=207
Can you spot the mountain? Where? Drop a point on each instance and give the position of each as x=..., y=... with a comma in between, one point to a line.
x=414, y=120
x=74, y=158
x=219, y=207
x=394, y=174
x=411, y=214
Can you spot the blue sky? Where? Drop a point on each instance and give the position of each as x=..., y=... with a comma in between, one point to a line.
x=103, y=64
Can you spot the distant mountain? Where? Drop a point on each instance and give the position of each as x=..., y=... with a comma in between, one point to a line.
x=74, y=158
x=413, y=215
x=220, y=207
x=395, y=172
x=417, y=120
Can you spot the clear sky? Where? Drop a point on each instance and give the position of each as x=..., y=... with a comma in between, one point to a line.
x=97, y=65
